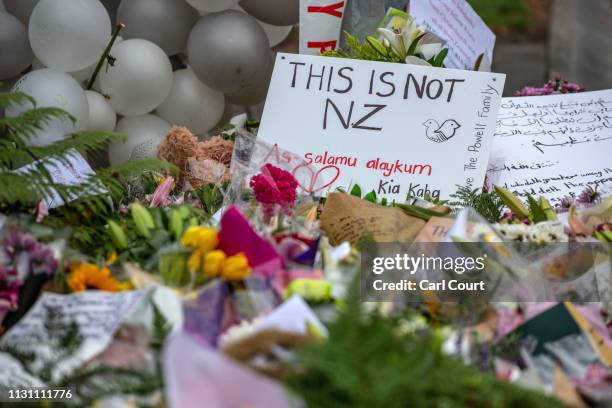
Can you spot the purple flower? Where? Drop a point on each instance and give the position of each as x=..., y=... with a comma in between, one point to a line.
x=588, y=196
x=38, y=258
x=564, y=206
x=9, y=284
x=554, y=86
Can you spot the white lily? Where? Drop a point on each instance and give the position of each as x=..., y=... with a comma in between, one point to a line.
x=413, y=60
x=400, y=36
x=395, y=39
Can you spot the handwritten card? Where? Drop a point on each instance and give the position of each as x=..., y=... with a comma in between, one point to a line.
x=349, y=218
x=97, y=315
x=396, y=129
x=553, y=145
x=455, y=21
x=72, y=171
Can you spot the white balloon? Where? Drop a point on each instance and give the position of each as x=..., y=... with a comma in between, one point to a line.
x=81, y=75
x=102, y=116
x=191, y=103
x=69, y=35
x=276, y=34
x=56, y=89
x=140, y=80
x=144, y=132
x=212, y=6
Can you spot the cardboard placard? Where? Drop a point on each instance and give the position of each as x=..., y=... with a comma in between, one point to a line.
x=456, y=21
x=320, y=22
x=396, y=129
x=553, y=145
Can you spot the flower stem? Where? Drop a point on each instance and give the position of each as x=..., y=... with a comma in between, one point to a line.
x=105, y=55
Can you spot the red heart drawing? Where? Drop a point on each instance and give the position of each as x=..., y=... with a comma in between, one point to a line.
x=315, y=176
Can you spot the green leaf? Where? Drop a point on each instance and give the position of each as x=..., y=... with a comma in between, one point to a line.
x=512, y=202
x=356, y=191
x=439, y=59
x=551, y=215
x=414, y=44
x=537, y=213
x=371, y=197
x=377, y=46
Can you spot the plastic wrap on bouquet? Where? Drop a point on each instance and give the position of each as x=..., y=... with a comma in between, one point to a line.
x=538, y=268
x=254, y=158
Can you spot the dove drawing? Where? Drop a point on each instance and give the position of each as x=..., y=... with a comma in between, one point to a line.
x=441, y=133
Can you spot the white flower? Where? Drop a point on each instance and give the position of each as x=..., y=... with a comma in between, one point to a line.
x=428, y=51
x=546, y=232
x=512, y=232
x=401, y=36
x=396, y=40
x=412, y=60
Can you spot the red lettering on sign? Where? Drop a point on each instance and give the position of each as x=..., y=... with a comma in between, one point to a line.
x=322, y=45
x=331, y=9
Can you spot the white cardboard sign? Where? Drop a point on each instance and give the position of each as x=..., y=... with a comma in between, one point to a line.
x=455, y=21
x=396, y=129
x=554, y=145
x=320, y=22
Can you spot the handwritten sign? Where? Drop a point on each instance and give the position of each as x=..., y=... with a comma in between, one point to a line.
x=396, y=129
x=97, y=315
x=72, y=171
x=320, y=22
x=553, y=145
x=454, y=20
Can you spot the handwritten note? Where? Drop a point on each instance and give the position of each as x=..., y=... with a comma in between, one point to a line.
x=12, y=373
x=97, y=315
x=553, y=145
x=348, y=218
x=72, y=171
x=400, y=130
x=454, y=20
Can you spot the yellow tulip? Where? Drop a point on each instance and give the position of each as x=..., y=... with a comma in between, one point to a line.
x=201, y=238
x=236, y=267
x=213, y=263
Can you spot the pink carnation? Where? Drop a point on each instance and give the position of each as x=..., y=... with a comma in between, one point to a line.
x=274, y=186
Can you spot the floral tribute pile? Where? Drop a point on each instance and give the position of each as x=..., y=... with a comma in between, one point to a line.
x=187, y=282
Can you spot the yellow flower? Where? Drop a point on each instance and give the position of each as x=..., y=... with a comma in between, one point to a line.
x=213, y=263
x=85, y=276
x=201, y=238
x=236, y=267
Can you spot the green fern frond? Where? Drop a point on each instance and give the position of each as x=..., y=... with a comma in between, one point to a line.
x=25, y=186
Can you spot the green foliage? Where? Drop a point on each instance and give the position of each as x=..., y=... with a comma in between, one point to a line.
x=488, y=205
x=367, y=362
x=211, y=196
x=374, y=50
x=371, y=196
x=25, y=189
x=419, y=212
